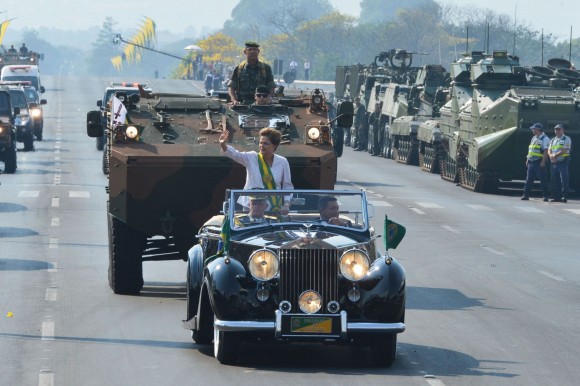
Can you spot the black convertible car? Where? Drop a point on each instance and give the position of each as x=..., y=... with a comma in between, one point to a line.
x=295, y=277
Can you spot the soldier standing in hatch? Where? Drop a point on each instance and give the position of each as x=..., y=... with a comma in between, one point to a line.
x=250, y=74
x=536, y=161
x=559, y=153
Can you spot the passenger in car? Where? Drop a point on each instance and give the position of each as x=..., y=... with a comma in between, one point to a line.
x=256, y=215
x=330, y=212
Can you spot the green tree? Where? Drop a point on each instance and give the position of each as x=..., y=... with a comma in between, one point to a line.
x=99, y=60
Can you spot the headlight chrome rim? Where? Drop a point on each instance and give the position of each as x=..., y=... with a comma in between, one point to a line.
x=354, y=264
x=314, y=133
x=310, y=302
x=263, y=265
x=131, y=132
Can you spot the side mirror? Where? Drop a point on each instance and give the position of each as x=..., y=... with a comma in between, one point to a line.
x=43, y=101
x=345, y=114
x=94, y=127
x=42, y=89
x=100, y=103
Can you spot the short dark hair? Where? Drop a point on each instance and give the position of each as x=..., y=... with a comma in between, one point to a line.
x=273, y=135
x=262, y=89
x=324, y=200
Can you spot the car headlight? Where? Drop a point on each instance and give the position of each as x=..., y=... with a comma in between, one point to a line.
x=131, y=132
x=310, y=302
x=36, y=113
x=1, y=130
x=314, y=133
x=354, y=264
x=263, y=265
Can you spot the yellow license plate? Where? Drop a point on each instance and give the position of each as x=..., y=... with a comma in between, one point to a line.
x=299, y=324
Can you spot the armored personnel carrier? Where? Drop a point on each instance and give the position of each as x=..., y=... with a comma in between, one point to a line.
x=167, y=177
x=413, y=142
x=493, y=127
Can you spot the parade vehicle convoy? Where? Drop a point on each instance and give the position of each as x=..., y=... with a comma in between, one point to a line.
x=35, y=104
x=167, y=176
x=296, y=277
x=8, y=115
x=17, y=58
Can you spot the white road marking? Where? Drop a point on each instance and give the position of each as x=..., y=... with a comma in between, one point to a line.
x=553, y=277
x=79, y=194
x=494, y=251
x=379, y=195
x=54, y=267
x=57, y=151
x=435, y=382
x=55, y=221
x=46, y=378
x=429, y=205
x=56, y=179
x=50, y=295
x=576, y=211
x=47, y=332
x=55, y=202
x=29, y=193
x=418, y=211
x=53, y=243
x=529, y=209
x=481, y=207
x=379, y=203
x=57, y=158
x=370, y=191
x=451, y=229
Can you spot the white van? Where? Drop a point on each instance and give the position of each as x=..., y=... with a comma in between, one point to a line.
x=23, y=72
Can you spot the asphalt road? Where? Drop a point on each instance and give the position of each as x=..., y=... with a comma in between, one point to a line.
x=492, y=281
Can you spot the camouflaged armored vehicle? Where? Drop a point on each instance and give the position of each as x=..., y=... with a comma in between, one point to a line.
x=493, y=129
x=414, y=142
x=167, y=177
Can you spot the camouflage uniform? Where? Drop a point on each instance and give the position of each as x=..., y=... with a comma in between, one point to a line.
x=246, y=78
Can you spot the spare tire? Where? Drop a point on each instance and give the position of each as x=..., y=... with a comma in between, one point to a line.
x=289, y=77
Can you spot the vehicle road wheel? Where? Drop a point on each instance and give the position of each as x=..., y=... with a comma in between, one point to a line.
x=384, y=349
x=126, y=247
x=38, y=133
x=10, y=160
x=204, y=335
x=225, y=346
x=100, y=142
x=29, y=143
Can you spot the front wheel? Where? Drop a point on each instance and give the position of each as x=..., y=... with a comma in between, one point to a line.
x=225, y=346
x=10, y=160
x=126, y=247
x=384, y=349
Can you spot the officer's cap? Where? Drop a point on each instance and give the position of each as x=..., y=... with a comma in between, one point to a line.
x=252, y=44
x=538, y=126
x=559, y=126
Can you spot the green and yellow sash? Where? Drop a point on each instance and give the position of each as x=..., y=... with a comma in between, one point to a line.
x=269, y=183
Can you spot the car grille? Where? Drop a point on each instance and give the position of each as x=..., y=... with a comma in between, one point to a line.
x=308, y=269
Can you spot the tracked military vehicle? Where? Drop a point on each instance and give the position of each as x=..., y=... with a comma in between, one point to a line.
x=493, y=133
x=167, y=177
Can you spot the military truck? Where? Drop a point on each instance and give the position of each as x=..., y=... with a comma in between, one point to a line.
x=167, y=177
x=491, y=135
x=11, y=58
x=7, y=131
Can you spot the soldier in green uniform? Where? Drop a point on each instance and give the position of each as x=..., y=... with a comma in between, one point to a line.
x=250, y=74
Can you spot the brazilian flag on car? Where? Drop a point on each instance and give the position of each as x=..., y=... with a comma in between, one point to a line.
x=224, y=242
x=393, y=233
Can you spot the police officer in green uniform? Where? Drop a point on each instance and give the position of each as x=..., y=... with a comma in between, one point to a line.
x=250, y=74
x=559, y=153
x=536, y=161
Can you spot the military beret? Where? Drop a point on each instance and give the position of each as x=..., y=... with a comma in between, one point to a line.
x=252, y=44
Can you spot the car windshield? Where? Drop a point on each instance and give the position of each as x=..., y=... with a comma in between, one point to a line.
x=18, y=98
x=317, y=207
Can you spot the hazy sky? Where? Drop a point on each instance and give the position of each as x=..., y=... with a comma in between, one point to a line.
x=554, y=16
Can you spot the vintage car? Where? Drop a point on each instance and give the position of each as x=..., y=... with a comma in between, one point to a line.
x=295, y=277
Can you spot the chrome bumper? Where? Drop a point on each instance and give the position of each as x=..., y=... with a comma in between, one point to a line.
x=276, y=326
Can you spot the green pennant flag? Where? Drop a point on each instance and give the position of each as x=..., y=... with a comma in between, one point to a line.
x=393, y=233
x=224, y=243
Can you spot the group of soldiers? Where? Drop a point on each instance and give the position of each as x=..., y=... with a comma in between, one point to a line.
x=543, y=151
x=23, y=49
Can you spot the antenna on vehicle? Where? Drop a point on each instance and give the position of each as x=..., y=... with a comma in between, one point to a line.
x=467, y=40
x=515, y=28
x=570, y=53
